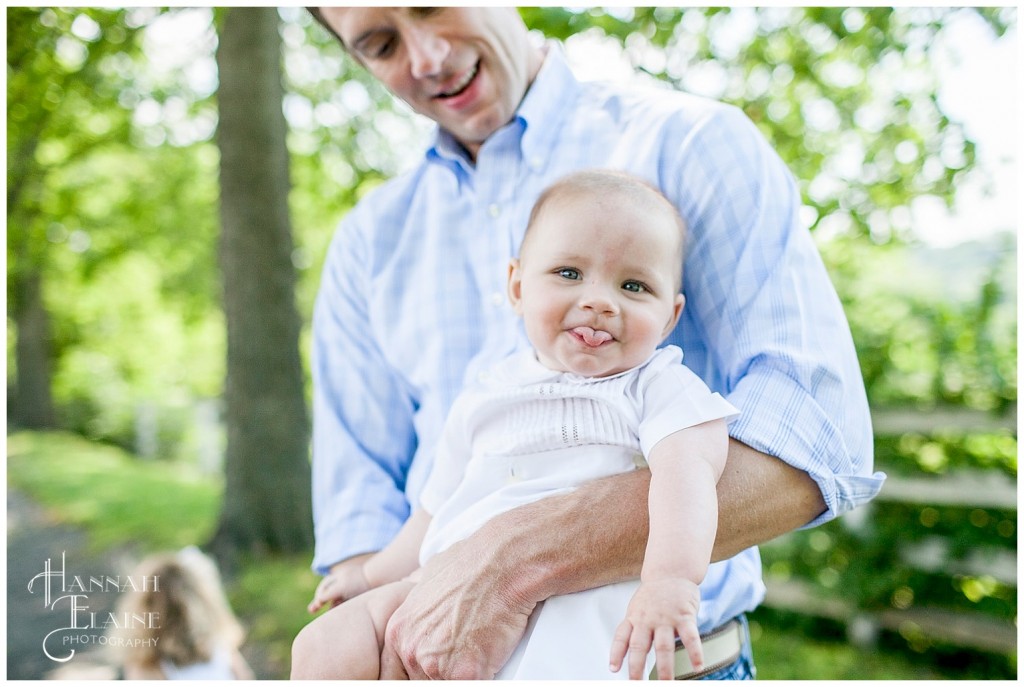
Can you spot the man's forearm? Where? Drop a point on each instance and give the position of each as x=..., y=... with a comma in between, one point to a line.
x=597, y=534
x=593, y=536
x=759, y=498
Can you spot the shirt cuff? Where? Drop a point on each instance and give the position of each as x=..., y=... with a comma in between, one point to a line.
x=353, y=535
x=780, y=418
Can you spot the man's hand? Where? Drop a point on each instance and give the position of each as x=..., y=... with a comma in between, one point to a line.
x=659, y=611
x=460, y=621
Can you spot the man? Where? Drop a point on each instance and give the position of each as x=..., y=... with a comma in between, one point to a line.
x=412, y=306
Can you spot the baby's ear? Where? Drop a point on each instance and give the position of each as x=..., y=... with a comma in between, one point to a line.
x=677, y=310
x=515, y=286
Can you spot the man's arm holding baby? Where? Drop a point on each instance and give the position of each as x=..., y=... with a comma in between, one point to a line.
x=489, y=584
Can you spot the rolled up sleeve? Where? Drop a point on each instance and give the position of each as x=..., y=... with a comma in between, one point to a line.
x=764, y=316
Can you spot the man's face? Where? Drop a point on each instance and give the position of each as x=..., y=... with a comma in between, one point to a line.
x=467, y=68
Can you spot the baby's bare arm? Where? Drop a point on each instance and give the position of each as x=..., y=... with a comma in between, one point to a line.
x=683, y=508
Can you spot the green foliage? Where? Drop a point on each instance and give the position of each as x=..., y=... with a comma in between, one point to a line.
x=925, y=340
x=111, y=215
x=788, y=646
x=845, y=95
x=62, y=80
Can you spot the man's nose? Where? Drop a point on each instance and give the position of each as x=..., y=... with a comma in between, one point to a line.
x=427, y=52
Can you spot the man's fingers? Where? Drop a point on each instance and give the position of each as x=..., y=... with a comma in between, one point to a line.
x=391, y=667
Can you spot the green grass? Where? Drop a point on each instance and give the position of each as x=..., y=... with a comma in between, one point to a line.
x=155, y=506
x=779, y=655
x=118, y=499
x=271, y=594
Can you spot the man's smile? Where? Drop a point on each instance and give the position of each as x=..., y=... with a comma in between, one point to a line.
x=461, y=85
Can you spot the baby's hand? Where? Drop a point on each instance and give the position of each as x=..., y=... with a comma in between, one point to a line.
x=659, y=611
x=339, y=586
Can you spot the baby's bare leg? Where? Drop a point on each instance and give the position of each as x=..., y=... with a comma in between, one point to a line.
x=345, y=642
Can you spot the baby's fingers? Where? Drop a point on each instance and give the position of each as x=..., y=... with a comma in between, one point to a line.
x=690, y=637
x=665, y=652
x=619, y=643
x=320, y=596
x=639, y=647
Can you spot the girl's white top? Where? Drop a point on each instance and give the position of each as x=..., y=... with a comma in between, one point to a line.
x=217, y=668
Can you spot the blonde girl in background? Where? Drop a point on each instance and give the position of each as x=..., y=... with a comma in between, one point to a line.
x=195, y=635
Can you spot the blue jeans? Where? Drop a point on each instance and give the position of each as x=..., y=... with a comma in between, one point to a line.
x=743, y=668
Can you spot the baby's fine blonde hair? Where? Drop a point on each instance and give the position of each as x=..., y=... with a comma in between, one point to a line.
x=604, y=183
x=193, y=611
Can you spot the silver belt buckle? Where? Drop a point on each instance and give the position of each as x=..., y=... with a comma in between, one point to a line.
x=722, y=646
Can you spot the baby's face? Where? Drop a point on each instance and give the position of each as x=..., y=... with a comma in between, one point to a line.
x=596, y=285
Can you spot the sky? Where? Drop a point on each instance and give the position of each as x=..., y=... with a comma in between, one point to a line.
x=981, y=87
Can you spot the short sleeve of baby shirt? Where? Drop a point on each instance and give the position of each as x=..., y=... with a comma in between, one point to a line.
x=674, y=398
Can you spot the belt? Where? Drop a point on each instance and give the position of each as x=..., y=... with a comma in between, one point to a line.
x=722, y=647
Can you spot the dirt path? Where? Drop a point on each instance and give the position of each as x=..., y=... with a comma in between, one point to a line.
x=34, y=541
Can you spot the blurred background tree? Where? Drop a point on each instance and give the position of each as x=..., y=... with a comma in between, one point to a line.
x=266, y=499
x=116, y=323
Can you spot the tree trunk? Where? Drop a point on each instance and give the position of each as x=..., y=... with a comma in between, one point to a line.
x=267, y=497
x=32, y=402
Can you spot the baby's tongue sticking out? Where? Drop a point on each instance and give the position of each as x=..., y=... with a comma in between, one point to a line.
x=592, y=337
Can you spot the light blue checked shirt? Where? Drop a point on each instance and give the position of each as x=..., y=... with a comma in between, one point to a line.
x=413, y=304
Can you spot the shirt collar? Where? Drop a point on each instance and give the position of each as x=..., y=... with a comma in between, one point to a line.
x=525, y=368
x=539, y=116
x=545, y=106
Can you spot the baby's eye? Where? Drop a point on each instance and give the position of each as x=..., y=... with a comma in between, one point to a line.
x=634, y=287
x=569, y=273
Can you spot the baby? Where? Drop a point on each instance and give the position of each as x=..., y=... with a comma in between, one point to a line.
x=597, y=284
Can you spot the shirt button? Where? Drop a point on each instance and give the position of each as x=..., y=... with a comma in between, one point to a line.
x=497, y=299
x=512, y=476
x=493, y=210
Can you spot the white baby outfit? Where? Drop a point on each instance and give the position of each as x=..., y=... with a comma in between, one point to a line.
x=527, y=432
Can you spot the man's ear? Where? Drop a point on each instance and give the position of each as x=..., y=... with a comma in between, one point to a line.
x=515, y=286
x=677, y=310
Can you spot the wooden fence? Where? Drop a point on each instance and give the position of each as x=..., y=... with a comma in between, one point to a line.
x=966, y=488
